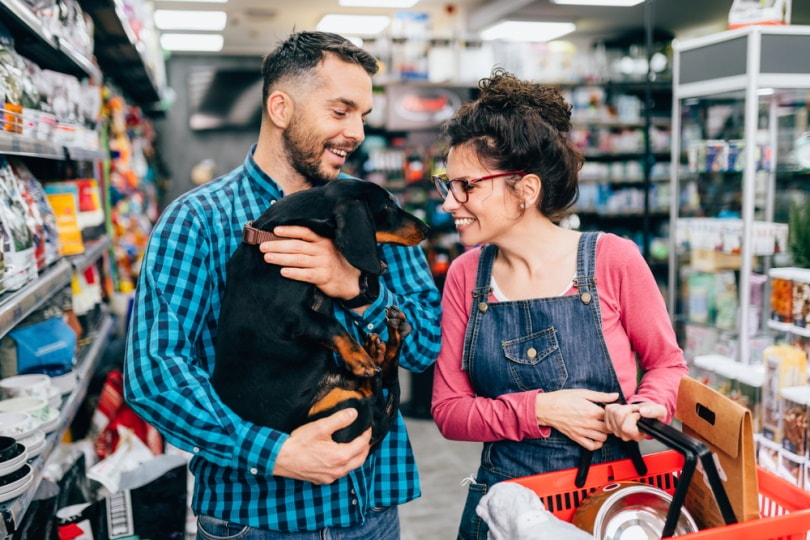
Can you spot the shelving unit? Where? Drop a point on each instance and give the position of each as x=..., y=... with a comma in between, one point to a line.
x=121, y=56
x=32, y=40
x=87, y=361
x=624, y=183
x=740, y=85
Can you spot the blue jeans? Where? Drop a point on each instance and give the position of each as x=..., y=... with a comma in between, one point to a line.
x=381, y=524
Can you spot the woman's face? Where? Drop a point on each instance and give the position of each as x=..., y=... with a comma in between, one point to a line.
x=491, y=207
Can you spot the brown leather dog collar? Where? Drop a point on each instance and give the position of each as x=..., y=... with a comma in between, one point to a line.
x=253, y=236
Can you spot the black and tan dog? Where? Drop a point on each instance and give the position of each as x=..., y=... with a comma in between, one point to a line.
x=274, y=349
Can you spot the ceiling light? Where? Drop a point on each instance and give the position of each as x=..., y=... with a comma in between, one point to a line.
x=605, y=3
x=527, y=31
x=175, y=19
x=191, y=42
x=363, y=25
x=379, y=3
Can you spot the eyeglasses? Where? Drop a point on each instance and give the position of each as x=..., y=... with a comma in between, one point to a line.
x=460, y=187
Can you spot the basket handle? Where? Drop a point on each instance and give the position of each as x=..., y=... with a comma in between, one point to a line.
x=692, y=450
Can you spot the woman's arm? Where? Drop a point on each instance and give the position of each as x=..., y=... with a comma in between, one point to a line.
x=457, y=411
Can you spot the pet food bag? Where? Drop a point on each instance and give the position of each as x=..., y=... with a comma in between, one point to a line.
x=18, y=241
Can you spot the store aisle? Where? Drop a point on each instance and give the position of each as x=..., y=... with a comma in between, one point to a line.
x=442, y=465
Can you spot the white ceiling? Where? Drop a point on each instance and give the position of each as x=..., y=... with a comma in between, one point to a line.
x=256, y=26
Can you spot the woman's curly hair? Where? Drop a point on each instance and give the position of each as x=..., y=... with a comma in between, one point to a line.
x=515, y=124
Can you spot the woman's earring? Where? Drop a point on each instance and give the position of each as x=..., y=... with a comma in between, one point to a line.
x=523, y=205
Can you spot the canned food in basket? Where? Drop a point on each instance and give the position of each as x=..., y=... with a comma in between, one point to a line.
x=629, y=511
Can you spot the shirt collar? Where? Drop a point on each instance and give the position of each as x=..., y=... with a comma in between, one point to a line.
x=259, y=179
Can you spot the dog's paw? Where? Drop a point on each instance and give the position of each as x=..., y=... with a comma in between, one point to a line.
x=375, y=347
x=396, y=321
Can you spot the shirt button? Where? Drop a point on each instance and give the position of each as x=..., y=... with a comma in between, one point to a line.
x=354, y=502
x=254, y=470
x=369, y=326
x=352, y=491
x=532, y=352
x=196, y=450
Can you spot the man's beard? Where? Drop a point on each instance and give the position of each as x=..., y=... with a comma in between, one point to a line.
x=304, y=154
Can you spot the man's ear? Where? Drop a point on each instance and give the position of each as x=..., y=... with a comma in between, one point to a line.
x=280, y=107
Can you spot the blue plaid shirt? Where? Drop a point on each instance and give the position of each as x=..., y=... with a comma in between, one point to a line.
x=170, y=359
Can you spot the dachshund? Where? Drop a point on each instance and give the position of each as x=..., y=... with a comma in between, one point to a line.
x=277, y=337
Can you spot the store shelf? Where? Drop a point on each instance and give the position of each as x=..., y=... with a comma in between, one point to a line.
x=92, y=253
x=33, y=41
x=15, y=306
x=88, y=359
x=751, y=375
x=750, y=79
x=119, y=51
x=17, y=145
x=790, y=328
x=596, y=155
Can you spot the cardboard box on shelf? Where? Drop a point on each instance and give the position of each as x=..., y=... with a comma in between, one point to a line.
x=709, y=260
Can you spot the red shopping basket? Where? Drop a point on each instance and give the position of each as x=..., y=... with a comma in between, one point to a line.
x=784, y=508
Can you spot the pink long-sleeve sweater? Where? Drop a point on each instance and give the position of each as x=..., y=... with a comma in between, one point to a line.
x=635, y=323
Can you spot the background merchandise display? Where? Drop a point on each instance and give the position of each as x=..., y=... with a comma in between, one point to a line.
x=699, y=158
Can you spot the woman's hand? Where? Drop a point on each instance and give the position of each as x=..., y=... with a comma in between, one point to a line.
x=622, y=420
x=576, y=414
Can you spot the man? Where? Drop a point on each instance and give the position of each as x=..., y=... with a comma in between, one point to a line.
x=317, y=91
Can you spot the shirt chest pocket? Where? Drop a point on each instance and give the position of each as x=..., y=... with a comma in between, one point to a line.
x=535, y=361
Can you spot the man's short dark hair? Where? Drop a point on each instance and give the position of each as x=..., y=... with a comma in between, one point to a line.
x=298, y=55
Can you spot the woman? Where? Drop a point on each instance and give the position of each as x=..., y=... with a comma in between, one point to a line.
x=544, y=329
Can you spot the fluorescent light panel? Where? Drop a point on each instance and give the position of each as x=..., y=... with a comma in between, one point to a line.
x=527, y=31
x=379, y=3
x=361, y=25
x=192, y=42
x=605, y=3
x=176, y=19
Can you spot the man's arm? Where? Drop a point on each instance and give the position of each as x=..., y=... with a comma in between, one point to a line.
x=168, y=364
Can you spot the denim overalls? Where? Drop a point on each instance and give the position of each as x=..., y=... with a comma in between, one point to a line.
x=546, y=343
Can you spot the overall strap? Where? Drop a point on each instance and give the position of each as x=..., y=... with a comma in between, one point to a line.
x=483, y=278
x=585, y=281
x=480, y=295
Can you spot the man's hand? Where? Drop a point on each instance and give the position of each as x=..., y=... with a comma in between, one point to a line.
x=310, y=454
x=313, y=259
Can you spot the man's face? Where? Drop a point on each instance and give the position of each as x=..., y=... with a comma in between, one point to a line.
x=328, y=121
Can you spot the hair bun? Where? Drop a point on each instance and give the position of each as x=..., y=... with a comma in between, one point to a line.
x=502, y=91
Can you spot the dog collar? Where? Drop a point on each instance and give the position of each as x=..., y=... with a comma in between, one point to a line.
x=253, y=236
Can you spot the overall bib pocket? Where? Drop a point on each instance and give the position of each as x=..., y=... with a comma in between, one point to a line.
x=536, y=361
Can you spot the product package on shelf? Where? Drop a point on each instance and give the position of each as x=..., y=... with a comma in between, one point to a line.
x=65, y=203
x=154, y=507
x=785, y=366
x=48, y=347
x=19, y=258
x=795, y=419
x=41, y=217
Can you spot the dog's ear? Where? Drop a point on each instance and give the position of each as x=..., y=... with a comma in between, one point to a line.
x=355, y=235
